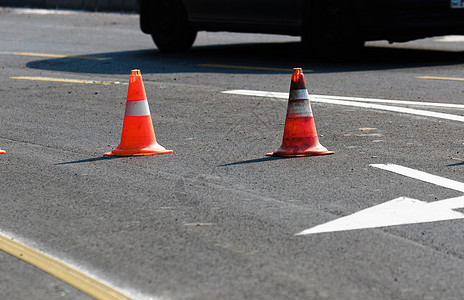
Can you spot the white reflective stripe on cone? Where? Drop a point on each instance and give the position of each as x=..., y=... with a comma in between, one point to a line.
x=137, y=108
x=298, y=94
x=299, y=108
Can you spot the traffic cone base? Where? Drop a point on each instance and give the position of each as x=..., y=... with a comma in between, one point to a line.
x=138, y=136
x=300, y=139
x=298, y=152
x=300, y=136
x=153, y=149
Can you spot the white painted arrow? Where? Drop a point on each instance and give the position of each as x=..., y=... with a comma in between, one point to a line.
x=400, y=211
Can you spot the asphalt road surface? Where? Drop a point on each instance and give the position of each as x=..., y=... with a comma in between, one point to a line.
x=217, y=219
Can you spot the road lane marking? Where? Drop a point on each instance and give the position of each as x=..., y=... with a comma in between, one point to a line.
x=450, y=38
x=439, y=78
x=356, y=99
x=217, y=66
x=60, y=56
x=423, y=176
x=56, y=268
x=402, y=210
x=357, y=102
x=36, y=11
x=65, y=80
x=388, y=101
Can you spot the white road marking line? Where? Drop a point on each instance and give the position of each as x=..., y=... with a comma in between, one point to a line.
x=401, y=102
x=450, y=38
x=357, y=99
x=426, y=177
x=347, y=101
x=400, y=211
x=38, y=11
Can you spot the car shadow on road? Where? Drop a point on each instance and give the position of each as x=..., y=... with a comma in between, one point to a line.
x=260, y=58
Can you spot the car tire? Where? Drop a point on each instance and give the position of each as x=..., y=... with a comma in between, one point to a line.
x=331, y=29
x=170, y=28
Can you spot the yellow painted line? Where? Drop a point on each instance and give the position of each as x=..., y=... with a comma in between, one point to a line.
x=65, y=80
x=440, y=78
x=59, y=270
x=60, y=56
x=244, y=68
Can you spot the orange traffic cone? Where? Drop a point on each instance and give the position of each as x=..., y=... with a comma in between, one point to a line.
x=138, y=135
x=300, y=136
x=2, y=151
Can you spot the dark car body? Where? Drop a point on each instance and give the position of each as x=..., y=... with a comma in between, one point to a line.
x=319, y=21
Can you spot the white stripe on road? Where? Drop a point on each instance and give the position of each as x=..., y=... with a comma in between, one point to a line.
x=357, y=99
x=450, y=38
x=37, y=11
x=437, y=180
x=356, y=102
x=401, y=102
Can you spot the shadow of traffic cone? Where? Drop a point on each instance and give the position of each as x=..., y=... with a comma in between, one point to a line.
x=138, y=136
x=300, y=136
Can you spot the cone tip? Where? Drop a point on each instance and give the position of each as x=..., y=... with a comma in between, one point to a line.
x=298, y=81
x=135, y=72
x=135, y=76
